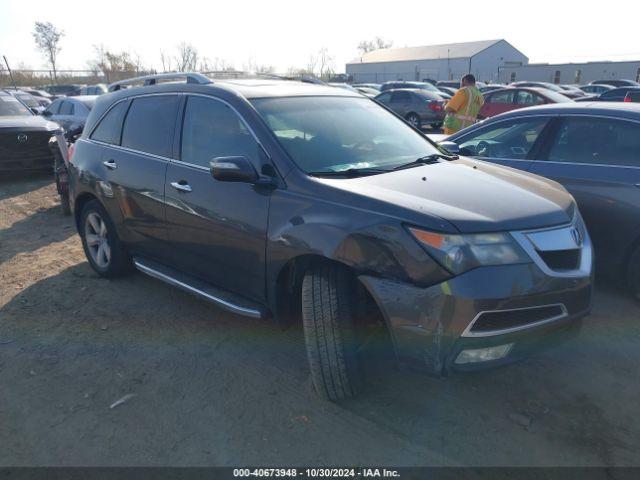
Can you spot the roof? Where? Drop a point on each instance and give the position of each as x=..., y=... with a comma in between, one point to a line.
x=429, y=52
x=616, y=109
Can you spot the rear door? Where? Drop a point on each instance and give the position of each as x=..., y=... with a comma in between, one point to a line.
x=597, y=159
x=136, y=171
x=64, y=117
x=511, y=142
x=217, y=229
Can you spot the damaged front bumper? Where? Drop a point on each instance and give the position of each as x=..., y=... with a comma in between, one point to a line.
x=485, y=317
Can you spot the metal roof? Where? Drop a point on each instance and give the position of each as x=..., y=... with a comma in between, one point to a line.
x=429, y=52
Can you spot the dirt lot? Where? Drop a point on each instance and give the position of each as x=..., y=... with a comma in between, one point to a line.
x=209, y=388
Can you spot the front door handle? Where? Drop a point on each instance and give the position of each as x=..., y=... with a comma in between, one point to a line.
x=182, y=186
x=110, y=164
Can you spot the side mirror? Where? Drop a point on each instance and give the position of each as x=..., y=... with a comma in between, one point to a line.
x=234, y=169
x=46, y=113
x=451, y=147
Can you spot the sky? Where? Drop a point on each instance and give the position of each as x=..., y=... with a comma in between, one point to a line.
x=286, y=33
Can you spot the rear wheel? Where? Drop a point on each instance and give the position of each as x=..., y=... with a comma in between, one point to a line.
x=327, y=314
x=633, y=274
x=414, y=120
x=104, y=250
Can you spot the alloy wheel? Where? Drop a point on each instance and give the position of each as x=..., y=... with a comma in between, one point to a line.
x=95, y=234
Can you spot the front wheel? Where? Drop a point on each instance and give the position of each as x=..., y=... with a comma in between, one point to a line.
x=329, y=330
x=104, y=250
x=633, y=274
x=414, y=120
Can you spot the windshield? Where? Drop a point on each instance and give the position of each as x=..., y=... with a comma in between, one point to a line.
x=10, y=106
x=334, y=134
x=28, y=100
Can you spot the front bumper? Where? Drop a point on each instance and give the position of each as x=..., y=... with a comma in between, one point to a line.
x=430, y=326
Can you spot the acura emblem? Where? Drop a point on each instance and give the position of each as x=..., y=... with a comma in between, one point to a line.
x=22, y=138
x=575, y=233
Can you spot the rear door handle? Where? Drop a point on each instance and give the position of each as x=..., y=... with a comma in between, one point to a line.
x=182, y=186
x=110, y=164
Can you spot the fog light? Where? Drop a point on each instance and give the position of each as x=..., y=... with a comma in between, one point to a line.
x=483, y=354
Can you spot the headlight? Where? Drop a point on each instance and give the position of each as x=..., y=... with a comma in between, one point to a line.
x=459, y=253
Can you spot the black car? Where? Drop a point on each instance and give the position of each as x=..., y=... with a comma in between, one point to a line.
x=64, y=90
x=593, y=150
x=395, y=85
x=70, y=113
x=616, y=83
x=24, y=137
x=615, y=95
x=315, y=204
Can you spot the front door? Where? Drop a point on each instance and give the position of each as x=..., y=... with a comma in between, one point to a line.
x=217, y=229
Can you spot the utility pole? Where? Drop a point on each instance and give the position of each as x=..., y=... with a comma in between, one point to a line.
x=10, y=74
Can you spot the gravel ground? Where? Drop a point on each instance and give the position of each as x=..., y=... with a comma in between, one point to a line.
x=199, y=386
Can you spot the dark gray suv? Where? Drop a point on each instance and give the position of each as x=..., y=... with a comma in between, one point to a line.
x=294, y=201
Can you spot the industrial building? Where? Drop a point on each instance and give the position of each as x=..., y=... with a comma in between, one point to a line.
x=571, y=73
x=489, y=60
x=485, y=59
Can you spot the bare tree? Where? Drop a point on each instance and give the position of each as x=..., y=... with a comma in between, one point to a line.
x=325, y=62
x=47, y=38
x=375, y=44
x=165, y=58
x=187, y=57
x=115, y=65
x=252, y=66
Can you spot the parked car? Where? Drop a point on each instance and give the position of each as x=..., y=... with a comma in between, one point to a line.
x=448, y=90
x=507, y=99
x=549, y=86
x=24, y=137
x=616, y=83
x=99, y=89
x=42, y=97
x=615, y=95
x=63, y=90
x=411, y=85
x=456, y=84
x=28, y=100
x=490, y=88
x=72, y=112
x=632, y=96
x=575, y=91
x=375, y=86
x=369, y=92
x=593, y=151
x=311, y=203
x=418, y=107
x=596, y=89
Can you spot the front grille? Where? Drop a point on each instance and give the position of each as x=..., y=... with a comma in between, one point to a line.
x=560, y=260
x=36, y=144
x=510, y=319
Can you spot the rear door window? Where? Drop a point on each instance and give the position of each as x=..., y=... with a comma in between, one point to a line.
x=109, y=128
x=501, y=97
x=67, y=108
x=150, y=123
x=400, y=97
x=601, y=141
x=526, y=98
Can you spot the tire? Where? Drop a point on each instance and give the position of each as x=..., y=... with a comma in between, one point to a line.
x=96, y=226
x=329, y=332
x=633, y=274
x=414, y=120
x=65, y=206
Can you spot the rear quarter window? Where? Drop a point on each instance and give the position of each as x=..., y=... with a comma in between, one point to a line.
x=109, y=128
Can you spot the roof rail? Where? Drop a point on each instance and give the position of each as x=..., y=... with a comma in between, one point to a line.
x=153, y=79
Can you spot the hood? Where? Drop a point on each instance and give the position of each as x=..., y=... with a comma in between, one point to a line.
x=29, y=122
x=473, y=196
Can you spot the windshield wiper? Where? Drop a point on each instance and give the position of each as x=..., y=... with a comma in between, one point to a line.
x=426, y=160
x=349, y=172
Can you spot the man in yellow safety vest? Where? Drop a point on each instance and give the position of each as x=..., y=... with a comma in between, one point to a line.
x=464, y=106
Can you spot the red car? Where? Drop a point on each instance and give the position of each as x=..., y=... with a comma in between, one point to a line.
x=512, y=98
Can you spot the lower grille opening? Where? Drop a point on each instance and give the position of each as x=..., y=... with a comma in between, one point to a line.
x=561, y=259
x=490, y=321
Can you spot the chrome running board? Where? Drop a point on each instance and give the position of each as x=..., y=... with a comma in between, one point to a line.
x=228, y=301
